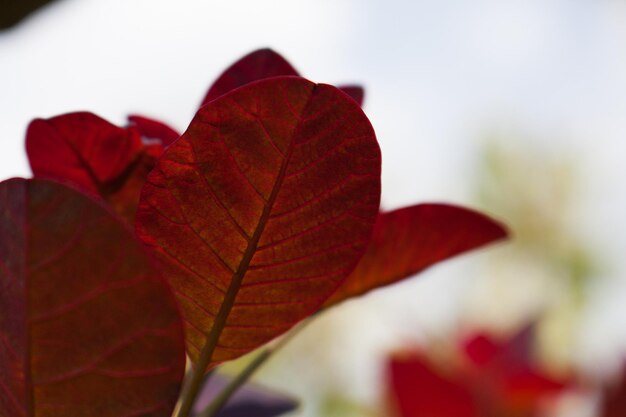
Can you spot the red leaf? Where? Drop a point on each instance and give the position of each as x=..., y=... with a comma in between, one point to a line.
x=511, y=354
x=615, y=400
x=261, y=209
x=408, y=240
x=90, y=153
x=482, y=350
x=153, y=129
x=506, y=371
x=417, y=390
x=257, y=65
x=87, y=326
x=524, y=388
x=260, y=64
x=354, y=91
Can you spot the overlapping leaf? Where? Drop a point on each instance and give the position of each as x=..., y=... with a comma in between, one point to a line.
x=261, y=209
x=93, y=155
x=408, y=240
x=355, y=91
x=258, y=65
x=151, y=129
x=87, y=326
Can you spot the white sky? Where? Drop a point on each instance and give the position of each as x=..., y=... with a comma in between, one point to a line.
x=438, y=76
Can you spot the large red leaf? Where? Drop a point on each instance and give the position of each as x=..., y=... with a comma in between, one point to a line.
x=261, y=209
x=408, y=240
x=87, y=326
x=93, y=155
x=257, y=65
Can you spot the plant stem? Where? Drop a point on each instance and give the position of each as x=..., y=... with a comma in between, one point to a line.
x=223, y=397
x=206, y=354
x=234, y=385
x=197, y=379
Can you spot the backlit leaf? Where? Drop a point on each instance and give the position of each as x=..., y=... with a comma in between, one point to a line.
x=257, y=65
x=410, y=239
x=260, y=64
x=261, y=209
x=87, y=326
x=86, y=151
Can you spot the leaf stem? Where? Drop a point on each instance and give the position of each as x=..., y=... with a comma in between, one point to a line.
x=234, y=385
x=197, y=373
x=220, y=401
x=206, y=354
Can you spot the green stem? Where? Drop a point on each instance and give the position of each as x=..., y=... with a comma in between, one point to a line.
x=223, y=397
x=234, y=385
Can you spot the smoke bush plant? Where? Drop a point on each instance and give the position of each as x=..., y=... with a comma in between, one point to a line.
x=134, y=247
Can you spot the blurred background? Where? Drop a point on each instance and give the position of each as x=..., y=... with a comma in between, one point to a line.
x=515, y=107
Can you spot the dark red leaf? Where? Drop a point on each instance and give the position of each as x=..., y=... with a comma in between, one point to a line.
x=260, y=64
x=410, y=239
x=257, y=65
x=153, y=129
x=87, y=326
x=417, y=390
x=86, y=151
x=615, y=400
x=354, y=91
x=261, y=209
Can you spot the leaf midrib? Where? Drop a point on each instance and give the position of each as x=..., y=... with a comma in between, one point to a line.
x=230, y=296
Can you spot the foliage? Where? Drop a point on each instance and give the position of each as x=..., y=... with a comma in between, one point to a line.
x=254, y=216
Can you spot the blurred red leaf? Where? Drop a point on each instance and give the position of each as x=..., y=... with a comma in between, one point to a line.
x=257, y=65
x=151, y=129
x=261, y=209
x=493, y=378
x=507, y=368
x=86, y=151
x=410, y=239
x=418, y=390
x=87, y=326
x=615, y=400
